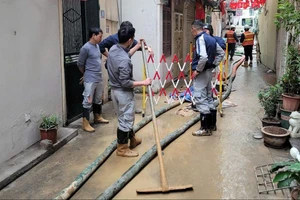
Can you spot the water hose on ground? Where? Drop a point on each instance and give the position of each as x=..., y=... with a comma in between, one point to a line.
x=147, y=157
x=111, y=191
x=235, y=65
x=67, y=192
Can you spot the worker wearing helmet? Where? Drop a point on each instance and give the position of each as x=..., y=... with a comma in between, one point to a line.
x=247, y=40
x=231, y=40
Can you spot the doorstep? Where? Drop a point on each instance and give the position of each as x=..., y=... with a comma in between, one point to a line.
x=27, y=159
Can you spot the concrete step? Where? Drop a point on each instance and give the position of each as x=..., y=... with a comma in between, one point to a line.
x=27, y=159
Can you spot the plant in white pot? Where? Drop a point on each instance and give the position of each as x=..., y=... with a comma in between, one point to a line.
x=48, y=128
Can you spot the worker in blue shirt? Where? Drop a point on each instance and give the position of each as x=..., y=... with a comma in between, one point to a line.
x=111, y=40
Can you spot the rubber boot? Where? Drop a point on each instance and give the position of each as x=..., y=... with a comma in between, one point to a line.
x=250, y=64
x=134, y=141
x=124, y=151
x=97, y=110
x=245, y=64
x=85, y=121
x=205, y=126
x=122, y=147
x=213, y=120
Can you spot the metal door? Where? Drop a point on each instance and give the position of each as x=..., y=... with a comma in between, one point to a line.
x=78, y=17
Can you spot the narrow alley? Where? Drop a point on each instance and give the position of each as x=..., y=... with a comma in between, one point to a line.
x=258, y=46
x=219, y=167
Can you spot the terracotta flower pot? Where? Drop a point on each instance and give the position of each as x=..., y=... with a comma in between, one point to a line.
x=290, y=103
x=275, y=136
x=50, y=134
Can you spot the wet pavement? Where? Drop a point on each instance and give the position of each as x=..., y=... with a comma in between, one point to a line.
x=220, y=166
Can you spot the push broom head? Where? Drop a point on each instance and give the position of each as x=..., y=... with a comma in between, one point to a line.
x=165, y=190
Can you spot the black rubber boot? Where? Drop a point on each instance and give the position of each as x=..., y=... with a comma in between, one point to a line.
x=213, y=120
x=205, y=126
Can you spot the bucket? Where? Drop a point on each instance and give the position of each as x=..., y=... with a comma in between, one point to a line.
x=285, y=117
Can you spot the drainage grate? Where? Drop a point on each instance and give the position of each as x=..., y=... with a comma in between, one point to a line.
x=265, y=184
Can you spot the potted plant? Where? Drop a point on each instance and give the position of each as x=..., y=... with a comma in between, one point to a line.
x=290, y=81
x=288, y=17
x=48, y=128
x=275, y=136
x=288, y=173
x=269, y=99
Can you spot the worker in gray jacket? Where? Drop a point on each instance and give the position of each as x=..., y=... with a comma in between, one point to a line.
x=119, y=68
x=89, y=63
x=208, y=54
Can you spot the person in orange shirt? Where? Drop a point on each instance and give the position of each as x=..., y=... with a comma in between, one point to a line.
x=247, y=40
x=232, y=39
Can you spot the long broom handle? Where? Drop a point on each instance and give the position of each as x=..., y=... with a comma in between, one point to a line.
x=144, y=93
x=164, y=183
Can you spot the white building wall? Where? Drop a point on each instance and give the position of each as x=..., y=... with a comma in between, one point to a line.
x=30, y=78
x=146, y=17
x=267, y=34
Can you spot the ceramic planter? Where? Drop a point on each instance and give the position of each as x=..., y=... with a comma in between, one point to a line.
x=275, y=136
x=290, y=103
x=270, y=121
x=50, y=134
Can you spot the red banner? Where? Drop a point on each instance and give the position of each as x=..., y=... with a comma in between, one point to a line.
x=200, y=11
x=222, y=6
x=233, y=5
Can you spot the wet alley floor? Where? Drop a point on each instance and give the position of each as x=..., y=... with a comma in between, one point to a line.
x=220, y=166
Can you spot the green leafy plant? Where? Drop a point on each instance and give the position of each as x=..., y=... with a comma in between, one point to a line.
x=286, y=173
x=268, y=99
x=288, y=16
x=290, y=81
x=49, y=122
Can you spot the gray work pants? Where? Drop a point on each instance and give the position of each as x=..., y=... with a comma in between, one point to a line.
x=202, y=92
x=92, y=94
x=124, y=102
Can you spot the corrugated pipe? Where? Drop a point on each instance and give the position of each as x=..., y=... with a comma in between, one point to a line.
x=67, y=192
x=111, y=191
